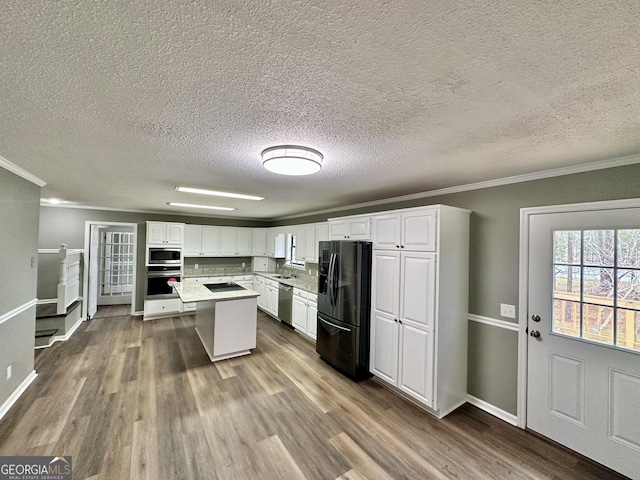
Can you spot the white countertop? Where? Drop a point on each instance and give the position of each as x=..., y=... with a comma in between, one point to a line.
x=197, y=292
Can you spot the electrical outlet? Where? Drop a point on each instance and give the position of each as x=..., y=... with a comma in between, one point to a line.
x=196, y=265
x=508, y=311
x=8, y=372
x=242, y=264
x=33, y=262
x=309, y=271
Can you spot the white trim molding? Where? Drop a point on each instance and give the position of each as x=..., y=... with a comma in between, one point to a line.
x=494, y=322
x=555, y=172
x=46, y=301
x=493, y=410
x=18, y=310
x=21, y=172
x=523, y=294
x=4, y=408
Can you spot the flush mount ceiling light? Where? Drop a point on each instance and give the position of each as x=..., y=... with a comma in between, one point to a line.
x=202, y=191
x=191, y=205
x=292, y=160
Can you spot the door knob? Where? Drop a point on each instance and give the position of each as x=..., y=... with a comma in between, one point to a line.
x=535, y=334
x=535, y=318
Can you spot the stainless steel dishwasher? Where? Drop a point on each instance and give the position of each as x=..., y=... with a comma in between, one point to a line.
x=285, y=301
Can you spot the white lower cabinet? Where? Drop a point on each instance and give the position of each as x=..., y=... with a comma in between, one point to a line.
x=305, y=312
x=271, y=296
x=312, y=316
x=161, y=308
x=299, y=310
x=384, y=347
x=418, y=301
x=258, y=286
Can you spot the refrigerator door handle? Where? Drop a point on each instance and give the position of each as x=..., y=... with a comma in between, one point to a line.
x=336, y=278
x=330, y=278
x=333, y=324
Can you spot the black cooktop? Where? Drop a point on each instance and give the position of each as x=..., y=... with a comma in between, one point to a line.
x=223, y=287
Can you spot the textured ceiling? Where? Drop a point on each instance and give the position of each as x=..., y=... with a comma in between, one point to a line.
x=115, y=103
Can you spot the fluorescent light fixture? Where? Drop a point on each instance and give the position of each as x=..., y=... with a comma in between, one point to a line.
x=191, y=205
x=292, y=160
x=202, y=191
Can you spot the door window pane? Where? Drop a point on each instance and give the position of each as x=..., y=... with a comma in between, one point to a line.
x=566, y=317
x=566, y=280
x=567, y=246
x=596, y=285
x=599, y=247
x=629, y=248
x=628, y=329
x=597, y=323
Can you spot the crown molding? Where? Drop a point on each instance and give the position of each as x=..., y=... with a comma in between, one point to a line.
x=12, y=167
x=155, y=212
x=527, y=177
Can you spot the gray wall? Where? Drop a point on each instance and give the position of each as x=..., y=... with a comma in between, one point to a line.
x=48, y=275
x=66, y=225
x=19, y=209
x=493, y=269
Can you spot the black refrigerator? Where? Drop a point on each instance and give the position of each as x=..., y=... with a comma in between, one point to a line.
x=344, y=306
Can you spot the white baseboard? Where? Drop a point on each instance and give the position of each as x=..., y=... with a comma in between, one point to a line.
x=46, y=301
x=139, y=313
x=17, y=393
x=493, y=410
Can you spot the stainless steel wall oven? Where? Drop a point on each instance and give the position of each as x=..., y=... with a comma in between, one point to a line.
x=158, y=278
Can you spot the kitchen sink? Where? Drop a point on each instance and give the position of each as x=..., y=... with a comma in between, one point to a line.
x=283, y=277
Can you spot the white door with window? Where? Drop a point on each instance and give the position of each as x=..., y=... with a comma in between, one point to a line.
x=583, y=365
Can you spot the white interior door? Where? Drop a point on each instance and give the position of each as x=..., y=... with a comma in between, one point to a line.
x=583, y=380
x=94, y=270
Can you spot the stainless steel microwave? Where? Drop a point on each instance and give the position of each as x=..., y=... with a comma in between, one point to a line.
x=164, y=256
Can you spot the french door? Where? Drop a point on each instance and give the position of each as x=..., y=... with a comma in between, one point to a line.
x=583, y=365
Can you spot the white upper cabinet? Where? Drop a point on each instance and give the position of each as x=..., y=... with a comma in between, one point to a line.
x=243, y=242
x=163, y=233
x=192, y=240
x=307, y=239
x=350, y=228
x=259, y=242
x=211, y=241
x=201, y=240
x=269, y=242
x=305, y=243
x=411, y=230
x=386, y=231
x=235, y=242
x=419, y=230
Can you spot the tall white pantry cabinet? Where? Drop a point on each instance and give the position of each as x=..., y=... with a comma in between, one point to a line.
x=419, y=304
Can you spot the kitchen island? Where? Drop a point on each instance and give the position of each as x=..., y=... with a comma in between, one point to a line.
x=226, y=317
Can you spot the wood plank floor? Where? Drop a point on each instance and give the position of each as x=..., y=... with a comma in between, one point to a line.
x=140, y=400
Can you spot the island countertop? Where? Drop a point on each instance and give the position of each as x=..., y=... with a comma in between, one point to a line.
x=197, y=292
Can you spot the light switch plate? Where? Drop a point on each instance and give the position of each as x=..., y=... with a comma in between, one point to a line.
x=8, y=372
x=508, y=311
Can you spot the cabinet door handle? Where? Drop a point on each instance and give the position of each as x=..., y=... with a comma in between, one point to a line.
x=395, y=320
x=401, y=246
x=397, y=246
